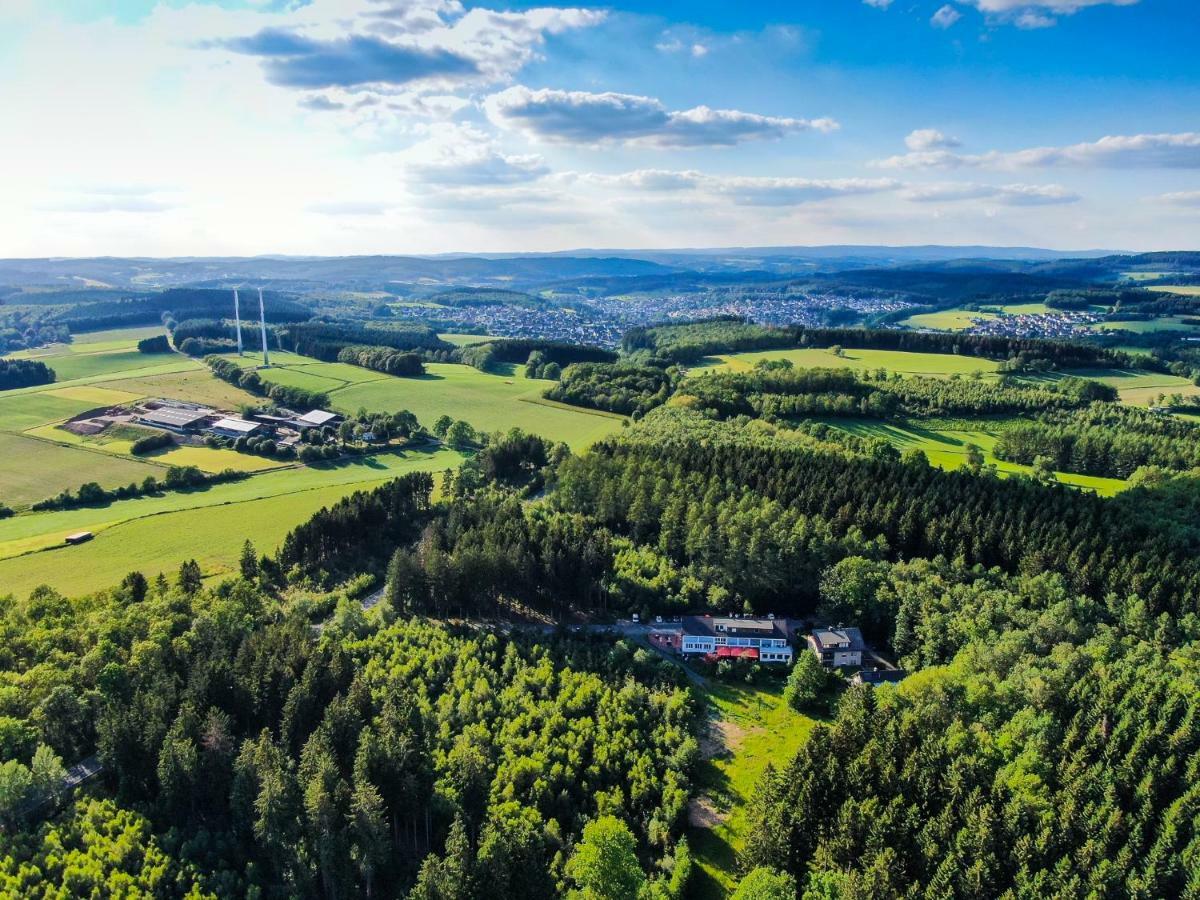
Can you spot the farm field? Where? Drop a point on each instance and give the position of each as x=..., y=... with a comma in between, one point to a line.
x=749, y=727
x=947, y=320
x=490, y=402
x=947, y=449
x=933, y=364
x=33, y=469
x=1138, y=388
x=962, y=319
x=462, y=340
x=158, y=533
x=1188, y=290
x=1166, y=323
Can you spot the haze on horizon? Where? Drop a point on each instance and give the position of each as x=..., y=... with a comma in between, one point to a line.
x=340, y=127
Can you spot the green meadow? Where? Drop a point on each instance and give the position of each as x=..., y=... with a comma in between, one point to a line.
x=155, y=534
x=490, y=401
x=947, y=448
x=939, y=365
x=749, y=727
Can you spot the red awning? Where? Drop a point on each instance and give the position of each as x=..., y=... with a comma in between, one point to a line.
x=743, y=652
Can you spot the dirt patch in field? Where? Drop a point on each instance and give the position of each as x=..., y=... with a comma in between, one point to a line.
x=703, y=814
x=721, y=737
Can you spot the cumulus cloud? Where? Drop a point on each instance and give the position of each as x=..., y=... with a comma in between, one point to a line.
x=372, y=46
x=744, y=190
x=945, y=17
x=878, y=4
x=1011, y=194
x=930, y=139
x=1139, y=151
x=461, y=156
x=1037, y=13
x=579, y=117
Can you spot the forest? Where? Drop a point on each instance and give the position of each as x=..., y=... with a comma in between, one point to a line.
x=19, y=373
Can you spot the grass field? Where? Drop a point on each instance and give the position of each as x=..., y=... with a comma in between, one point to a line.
x=947, y=449
x=933, y=364
x=947, y=320
x=157, y=533
x=749, y=727
x=463, y=340
x=489, y=401
x=1188, y=290
x=962, y=319
x=1165, y=323
x=33, y=469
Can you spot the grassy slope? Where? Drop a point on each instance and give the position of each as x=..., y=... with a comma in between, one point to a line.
x=489, y=401
x=750, y=726
x=932, y=364
x=947, y=449
x=33, y=469
x=157, y=533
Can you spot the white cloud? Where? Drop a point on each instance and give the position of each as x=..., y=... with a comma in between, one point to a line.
x=459, y=155
x=1031, y=19
x=744, y=190
x=579, y=117
x=1011, y=194
x=1182, y=198
x=1037, y=13
x=945, y=17
x=361, y=45
x=878, y=4
x=930, y=139
x=1139, y=151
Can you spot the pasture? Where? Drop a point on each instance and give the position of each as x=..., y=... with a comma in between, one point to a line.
x=32, y=469
x=155, y=534
x=1187, y=290
x=490, y=401
x=938, y=365
x=947, y=448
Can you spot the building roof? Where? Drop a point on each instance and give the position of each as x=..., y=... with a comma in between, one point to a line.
x=316, y=418
x=834, y=637
x=238, y=425
x=174, y=418
x=880, y=676
x=710, y=626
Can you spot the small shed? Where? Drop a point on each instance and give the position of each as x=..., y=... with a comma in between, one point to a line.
x=79, y=537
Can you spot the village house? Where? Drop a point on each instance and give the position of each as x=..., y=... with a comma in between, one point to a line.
x=837, y=646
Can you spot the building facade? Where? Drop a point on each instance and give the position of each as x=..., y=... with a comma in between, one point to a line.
x=766, y=640
x=837, y=646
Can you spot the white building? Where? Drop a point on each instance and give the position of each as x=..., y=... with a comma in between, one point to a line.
x=766, y=640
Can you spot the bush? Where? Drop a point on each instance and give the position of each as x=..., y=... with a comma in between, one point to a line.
x=152, y=442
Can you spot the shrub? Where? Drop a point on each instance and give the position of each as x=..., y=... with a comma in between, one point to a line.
x=152, y=442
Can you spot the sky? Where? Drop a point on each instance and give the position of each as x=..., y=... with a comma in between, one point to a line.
x=342, y=127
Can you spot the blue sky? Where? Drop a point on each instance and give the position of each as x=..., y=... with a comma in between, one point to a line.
x=169, y=127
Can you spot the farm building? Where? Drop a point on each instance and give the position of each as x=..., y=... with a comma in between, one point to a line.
x=175, y=418
x=235, y=428
x=80, y=537
x=318, y=418
x=837, y=646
